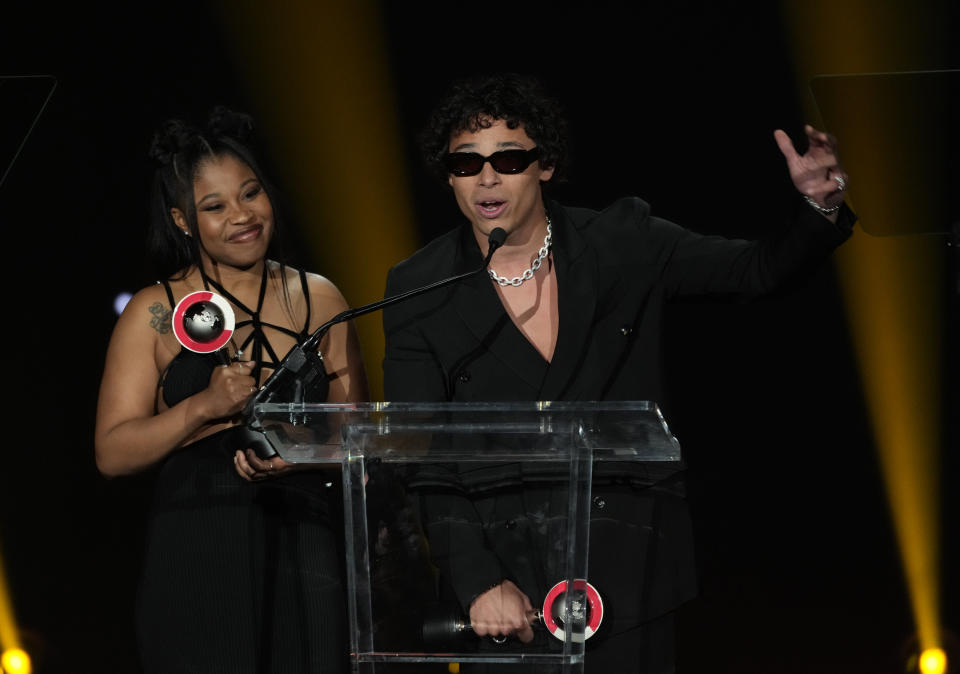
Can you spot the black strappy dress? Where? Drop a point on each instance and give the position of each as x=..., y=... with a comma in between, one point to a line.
x=239, y=577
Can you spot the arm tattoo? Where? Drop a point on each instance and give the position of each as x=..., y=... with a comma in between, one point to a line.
x=161, y=318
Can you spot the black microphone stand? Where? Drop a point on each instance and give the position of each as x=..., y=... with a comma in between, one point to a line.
x=304, y=365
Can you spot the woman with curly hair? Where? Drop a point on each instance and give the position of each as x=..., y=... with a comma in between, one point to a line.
x=241, y=568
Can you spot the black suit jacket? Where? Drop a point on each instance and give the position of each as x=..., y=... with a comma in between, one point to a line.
x=616, y=269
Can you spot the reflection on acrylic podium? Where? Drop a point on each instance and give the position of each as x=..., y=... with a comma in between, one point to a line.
x=400, y=460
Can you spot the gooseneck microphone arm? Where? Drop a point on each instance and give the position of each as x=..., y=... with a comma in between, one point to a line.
x=297, y=359
x=497, y=238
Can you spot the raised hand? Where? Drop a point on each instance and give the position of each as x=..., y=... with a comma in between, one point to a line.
x=817, y=174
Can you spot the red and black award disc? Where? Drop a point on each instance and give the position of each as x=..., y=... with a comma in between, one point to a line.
x=584, y=603
x=203, y=322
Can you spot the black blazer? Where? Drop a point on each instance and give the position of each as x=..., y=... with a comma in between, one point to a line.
x=615, y=269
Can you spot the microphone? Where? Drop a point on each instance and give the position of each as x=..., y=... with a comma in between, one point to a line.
x=303, y=366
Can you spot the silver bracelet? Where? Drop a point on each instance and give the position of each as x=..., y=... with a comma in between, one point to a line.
x=821, y=209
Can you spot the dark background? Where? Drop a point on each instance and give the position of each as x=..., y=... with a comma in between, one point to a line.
x=672, y=102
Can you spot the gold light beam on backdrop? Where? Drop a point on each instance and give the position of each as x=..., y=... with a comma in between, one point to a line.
x=893, y=285
x=318, y=75
x=9, y=634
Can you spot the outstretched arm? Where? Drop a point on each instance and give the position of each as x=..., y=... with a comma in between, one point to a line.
x=817, y=173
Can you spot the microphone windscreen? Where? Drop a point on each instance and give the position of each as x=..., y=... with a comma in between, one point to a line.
x=497, y=237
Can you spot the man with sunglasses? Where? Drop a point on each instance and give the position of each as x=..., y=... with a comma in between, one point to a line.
x=571, y=310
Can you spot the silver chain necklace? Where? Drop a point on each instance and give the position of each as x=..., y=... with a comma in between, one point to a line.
x=528, y=274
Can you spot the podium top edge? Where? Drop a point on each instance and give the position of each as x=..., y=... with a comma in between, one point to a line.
x=522, y=406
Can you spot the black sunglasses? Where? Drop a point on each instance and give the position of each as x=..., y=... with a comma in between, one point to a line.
x=462, y=164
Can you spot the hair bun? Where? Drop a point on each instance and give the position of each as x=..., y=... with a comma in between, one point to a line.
x=176, y=136
x=172, y=137
x=226, y=122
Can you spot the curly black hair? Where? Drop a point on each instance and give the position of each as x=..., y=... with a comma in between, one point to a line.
x=476, y=103
x=180, y=150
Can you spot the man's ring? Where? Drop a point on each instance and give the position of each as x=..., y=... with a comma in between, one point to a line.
x=269, y=465
x=841, y=183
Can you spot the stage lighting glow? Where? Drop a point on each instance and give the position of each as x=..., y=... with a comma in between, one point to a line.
x=9, y=636
x=891, y=285
x=15, y=661
x=292, y=73
x=120, y=301
x=933, y=661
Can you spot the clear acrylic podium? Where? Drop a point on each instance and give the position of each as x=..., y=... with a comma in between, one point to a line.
x=393, y=455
